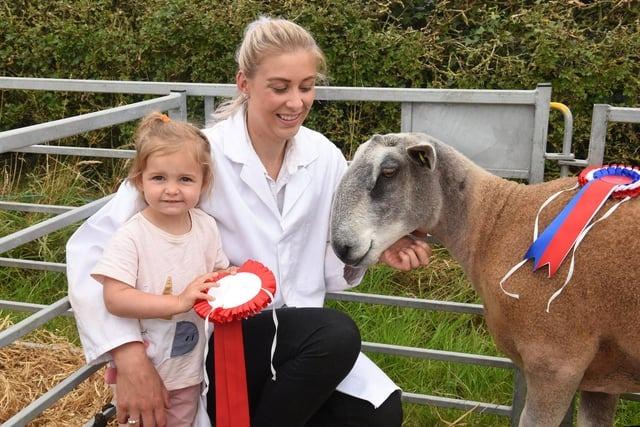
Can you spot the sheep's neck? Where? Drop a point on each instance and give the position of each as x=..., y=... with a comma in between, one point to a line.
x=473, y=200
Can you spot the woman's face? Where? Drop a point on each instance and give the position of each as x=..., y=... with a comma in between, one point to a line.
x=280, y=96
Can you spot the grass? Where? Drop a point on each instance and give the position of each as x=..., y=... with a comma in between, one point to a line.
x=75, y=182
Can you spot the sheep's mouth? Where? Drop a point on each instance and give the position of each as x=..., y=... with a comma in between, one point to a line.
x=359, y=262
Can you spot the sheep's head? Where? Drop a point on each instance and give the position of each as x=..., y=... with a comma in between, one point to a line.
x=390, y=189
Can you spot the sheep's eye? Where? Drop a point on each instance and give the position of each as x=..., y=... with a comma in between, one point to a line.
x=388, y=172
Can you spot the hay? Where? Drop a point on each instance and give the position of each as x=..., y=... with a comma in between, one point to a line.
x=29, y=368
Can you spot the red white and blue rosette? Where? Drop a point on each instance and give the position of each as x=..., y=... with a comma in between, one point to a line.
x=627, y=179
x=571, y=225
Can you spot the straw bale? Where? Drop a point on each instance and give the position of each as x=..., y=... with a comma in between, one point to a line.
x=31, y=367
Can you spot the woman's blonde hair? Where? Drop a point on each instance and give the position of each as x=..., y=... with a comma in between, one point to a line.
x=158, y=134
x=266, y=37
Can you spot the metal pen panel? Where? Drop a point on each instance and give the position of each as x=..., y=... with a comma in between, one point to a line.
x=44, y=132
x=35, y=231
x=22, y=328
x=38, y=406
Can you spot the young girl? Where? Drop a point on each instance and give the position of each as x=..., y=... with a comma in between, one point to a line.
x=157, y=264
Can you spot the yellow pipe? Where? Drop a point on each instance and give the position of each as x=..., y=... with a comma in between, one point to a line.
x=559, y=106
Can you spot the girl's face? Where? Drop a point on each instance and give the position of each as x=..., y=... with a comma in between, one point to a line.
x=280, y=95
x=171, y=185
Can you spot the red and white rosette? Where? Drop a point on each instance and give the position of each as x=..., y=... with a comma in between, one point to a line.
x=237, y=296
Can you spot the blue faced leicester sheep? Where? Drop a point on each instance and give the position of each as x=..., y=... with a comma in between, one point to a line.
x=590, y=339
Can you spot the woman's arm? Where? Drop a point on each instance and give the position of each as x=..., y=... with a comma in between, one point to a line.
x=100, y=331
x=141, y=392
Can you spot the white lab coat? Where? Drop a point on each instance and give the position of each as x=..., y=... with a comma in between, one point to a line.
x=293, y=244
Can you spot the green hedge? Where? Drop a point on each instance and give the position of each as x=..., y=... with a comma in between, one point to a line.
x=588, y=52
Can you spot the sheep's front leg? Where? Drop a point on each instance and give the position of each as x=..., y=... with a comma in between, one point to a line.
x=549, y=394
x=596, y=409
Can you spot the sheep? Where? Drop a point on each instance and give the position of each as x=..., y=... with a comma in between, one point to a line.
x=590, y=339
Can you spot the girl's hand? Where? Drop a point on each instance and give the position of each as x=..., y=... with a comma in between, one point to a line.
x=231, y=270
x=196, y=290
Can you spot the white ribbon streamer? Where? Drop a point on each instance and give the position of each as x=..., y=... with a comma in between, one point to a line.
x=206, y=349
x=573, y=252
x=535, y=237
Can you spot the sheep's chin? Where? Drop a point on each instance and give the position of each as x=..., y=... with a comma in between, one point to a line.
x=372, y=256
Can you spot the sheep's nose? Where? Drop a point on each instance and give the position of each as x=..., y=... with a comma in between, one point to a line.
x=343, y=251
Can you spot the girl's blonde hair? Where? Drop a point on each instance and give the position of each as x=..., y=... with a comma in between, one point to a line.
x=158, y=134
x=267, y=37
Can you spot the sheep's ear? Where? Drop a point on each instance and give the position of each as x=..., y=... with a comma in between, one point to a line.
x=423, y=154
x=376, y=138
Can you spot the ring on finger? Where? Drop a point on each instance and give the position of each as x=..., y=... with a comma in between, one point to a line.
x=132, y=421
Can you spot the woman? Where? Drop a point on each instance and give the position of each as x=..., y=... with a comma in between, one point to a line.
x=274, y=183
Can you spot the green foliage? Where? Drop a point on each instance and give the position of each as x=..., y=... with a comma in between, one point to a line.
x=588, y=51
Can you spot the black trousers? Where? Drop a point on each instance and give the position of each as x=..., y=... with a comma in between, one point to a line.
x=316, y=349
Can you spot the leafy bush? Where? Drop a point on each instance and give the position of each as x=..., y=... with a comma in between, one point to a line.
x=589, y=52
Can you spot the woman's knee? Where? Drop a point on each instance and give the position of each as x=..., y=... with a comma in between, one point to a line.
x=340, y=334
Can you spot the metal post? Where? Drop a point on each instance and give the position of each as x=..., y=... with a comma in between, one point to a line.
x=519, y=394
x=540, y=128
x=598, y=134
x=180, y=113
x=567, y=421
x=209, y=108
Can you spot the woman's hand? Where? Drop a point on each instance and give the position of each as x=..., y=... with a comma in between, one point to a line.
x=140, y=393
x=406, y=254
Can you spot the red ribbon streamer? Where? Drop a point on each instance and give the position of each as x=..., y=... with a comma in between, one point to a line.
x=232, y=402
x=591, y=201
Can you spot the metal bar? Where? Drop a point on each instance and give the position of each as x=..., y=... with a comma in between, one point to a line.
x=209, y=108
x=33, y=207
x=624, y=114
x=567, y=135
x=39, y=405
x=440, y=355
x=560, y=156
x=465, y=405
x=33, y=265
x=631, y=396
x=35, y=231
x=447, y=306
x=101, y=418
x=598, y=134
x=519, y=394
x=78, y=151
x=56, y=129
x=28, y=307
x=32, y=322
x=328, y=93
x=540, y=128
x=116, y=86
x=179, y=113
x=567, y=421
x=576, y=162
x=406, y=117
